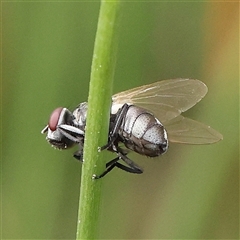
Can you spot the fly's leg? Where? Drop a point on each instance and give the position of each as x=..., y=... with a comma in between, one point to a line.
x=134, y=168
x=79, y=153
x=113, y=135
x=109, y=167
x=73, y=133
x=131, y=168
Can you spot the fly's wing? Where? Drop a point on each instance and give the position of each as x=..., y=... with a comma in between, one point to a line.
x=188, y=131
x=166, y=99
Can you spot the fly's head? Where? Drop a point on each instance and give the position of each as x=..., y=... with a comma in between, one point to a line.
x=61, y=132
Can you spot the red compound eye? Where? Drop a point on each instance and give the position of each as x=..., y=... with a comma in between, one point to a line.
x=53, y=120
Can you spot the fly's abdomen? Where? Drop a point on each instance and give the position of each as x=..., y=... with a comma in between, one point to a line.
x=155, y=140
x=143, y=133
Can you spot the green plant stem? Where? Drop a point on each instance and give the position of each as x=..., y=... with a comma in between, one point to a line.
x=99, y=103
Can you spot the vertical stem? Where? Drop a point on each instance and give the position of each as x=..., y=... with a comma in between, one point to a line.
x=99, y=103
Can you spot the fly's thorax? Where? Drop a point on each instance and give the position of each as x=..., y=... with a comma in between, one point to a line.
x=143, y=133
x=80, y=114
x=116, y=106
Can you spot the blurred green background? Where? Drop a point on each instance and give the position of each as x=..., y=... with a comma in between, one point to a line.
x=189, y=193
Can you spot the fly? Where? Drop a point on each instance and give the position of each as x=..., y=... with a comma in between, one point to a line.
x=143, y=119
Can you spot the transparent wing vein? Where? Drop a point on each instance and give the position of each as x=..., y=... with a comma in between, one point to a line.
x=188, y=131
x=166, y=99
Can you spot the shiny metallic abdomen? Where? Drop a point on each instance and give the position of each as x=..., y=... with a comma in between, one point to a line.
x=143, y=133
